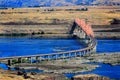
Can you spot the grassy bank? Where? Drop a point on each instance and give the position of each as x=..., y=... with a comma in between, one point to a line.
x=96, y=15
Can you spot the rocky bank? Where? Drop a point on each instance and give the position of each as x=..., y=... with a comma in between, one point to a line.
x=54, y=68
x=13, y=75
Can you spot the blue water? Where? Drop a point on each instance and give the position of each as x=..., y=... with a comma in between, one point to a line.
x=3, y=66
x=113, y=72
x=108, y=46
x=105, y=69
x=25, y=46
x=32, y=70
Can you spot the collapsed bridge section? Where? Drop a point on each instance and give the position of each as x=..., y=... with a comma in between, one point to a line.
x=84, y=33
x=80, y=29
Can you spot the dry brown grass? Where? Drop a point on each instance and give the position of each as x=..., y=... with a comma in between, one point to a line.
x=10, y=75
x=100, y=15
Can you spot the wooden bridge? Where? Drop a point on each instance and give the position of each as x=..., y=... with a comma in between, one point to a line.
x=82, y=31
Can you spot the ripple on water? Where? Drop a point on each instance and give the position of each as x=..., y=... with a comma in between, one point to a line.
x=26, y=46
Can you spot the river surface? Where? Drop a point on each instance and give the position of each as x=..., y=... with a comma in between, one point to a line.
x=113, y=72
x=108, y=46
x=26, y=46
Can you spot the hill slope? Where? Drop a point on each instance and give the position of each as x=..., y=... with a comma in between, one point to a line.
x=26, y=3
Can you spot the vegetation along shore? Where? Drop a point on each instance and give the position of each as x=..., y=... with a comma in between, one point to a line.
x=47, y=22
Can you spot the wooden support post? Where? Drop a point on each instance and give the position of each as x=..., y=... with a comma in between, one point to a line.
x=94, y=50
x=72, y=54
x=48, y=58
x=37, y=58
x=84, y=53
x=69, y=55
x=19, y=60
x=80, y=54
x=40, y=59
x=28, y=59
x=75, y=54
x=31, y=60
x=9, y=62
x=88, y=51
x=56, y=56
x=60, y=56
x=91, y=50
x=63, y=56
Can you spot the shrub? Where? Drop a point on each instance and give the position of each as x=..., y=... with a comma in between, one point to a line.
x=115, y=21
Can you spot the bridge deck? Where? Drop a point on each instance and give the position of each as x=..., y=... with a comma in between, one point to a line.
x=80, y=52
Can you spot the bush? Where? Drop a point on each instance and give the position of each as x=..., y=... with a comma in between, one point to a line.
x=42, y=32
x=115, y=21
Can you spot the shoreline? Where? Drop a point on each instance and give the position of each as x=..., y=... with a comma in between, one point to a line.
x=47, y=23
x=60, y=36
x=73, y=65
x=66, y=65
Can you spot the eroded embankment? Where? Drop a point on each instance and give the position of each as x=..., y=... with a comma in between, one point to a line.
x=42, y=30
x=57, y=30
x=107, y=31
